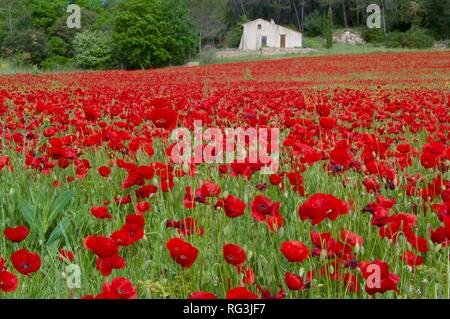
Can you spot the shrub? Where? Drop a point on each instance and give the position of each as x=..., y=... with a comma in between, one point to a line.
x=57, y=62
x=33, y=44
x=417, y=38
x=413, y=39
x=394, y=40
x=373, y=35
x=92, y=49
x=233, y=36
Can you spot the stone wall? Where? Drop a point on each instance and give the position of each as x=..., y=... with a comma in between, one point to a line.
x=235, y=53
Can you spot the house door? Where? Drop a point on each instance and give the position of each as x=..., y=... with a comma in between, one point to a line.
x=282, y=41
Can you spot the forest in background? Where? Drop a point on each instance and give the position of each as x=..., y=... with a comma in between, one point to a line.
x=135, y=34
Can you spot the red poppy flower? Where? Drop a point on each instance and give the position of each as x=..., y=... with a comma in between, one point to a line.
x=262, y=207
x=106, y=265
x=101, y=246
x=249, y=275
x=26, y=262
x=119, y=288
x=186, y=227
x=164, y=118
x=142, y=207
x=266, y=294
x=182, y=252
x=438, y=236
x=2, y=263
x=104, y=171
x=321, y=206
x=293, y=281
x=128, y=234
x=100, y=212
x=66, y=255
x=240, y=293
x=145, y=191
x=8, y=281
x=378, y=277
x=351, y=238
x=274, y=222
x=207, y=190
x=234, y=254
x=412, y=259
x=202, y=295
x=275, y=179
x=327, y=123
x=17, y=234
x=295, y=251
x=232, y=205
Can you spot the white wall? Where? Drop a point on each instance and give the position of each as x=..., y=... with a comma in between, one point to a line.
x=251, y=37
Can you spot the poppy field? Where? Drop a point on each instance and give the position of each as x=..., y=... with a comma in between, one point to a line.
x=92, y=205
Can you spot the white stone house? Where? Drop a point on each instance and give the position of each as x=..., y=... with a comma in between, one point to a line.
x=261, y=33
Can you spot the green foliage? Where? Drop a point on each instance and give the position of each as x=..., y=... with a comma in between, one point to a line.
x=394, y=40
x=33, y=44
x=44, y=13
x=92, y=49
x=313, y=23
x=60, y=29
x=233, y=36
x=42, y=216
x=417, y=38
x=328, y=28
x=57, y=46
x=438, y=18
x=374, y=35
x=57, y=62
x=152, y=33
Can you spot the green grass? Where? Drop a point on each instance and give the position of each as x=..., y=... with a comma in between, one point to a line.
x=7, y=67
x=318, y=44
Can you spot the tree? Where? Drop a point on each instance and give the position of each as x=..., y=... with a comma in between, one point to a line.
x=92, y=49
x=31, y=44
x=438, y=17
x=152, y=33
x=208, y=17
x=328, y=27
x=412, y=12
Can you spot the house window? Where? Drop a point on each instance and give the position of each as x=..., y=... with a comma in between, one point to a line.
x=259, y=27
x=263, y=41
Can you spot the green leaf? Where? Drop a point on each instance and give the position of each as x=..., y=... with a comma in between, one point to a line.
x=28, y=212
x=57, y=232
x=61, y=202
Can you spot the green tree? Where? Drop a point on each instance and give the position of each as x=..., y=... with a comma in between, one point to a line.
x=328, y=27
x=208, y=17
x=92, y=49
x=152, y=33
x=438, y=17
x=31, y=44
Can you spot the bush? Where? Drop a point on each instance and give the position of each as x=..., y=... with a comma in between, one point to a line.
x=56, y=62
x=92, y=49
x=31, y=44
x=313, y=23
x=413, y=39
x=418, y=39
x=394, y=40
x=233, y=36
x=56, y=46
x=373, y=35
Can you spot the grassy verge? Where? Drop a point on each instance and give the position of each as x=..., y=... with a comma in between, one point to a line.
x=319, y=45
